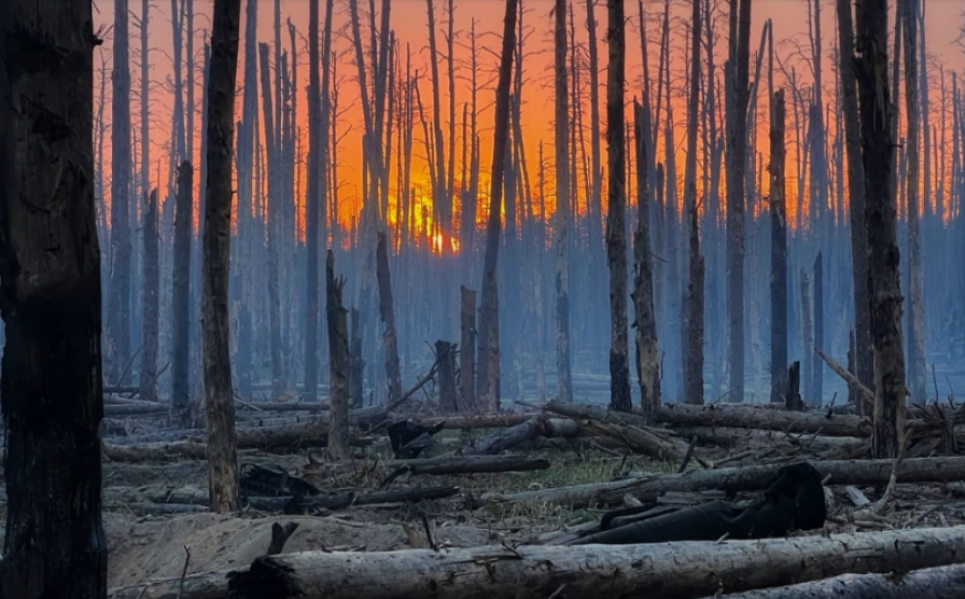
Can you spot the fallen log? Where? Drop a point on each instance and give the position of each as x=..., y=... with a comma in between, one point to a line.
x=469, y=464
x=154, y=452
x=590, y=412
x=126, y=409
x=212, y=585
x=516, y=435
x=725, y=436
x=640, y=439
x=339, y=500
x=475, y=422
x=731, y=480
x=765, y=419
x=684, y=570
x=942, y=582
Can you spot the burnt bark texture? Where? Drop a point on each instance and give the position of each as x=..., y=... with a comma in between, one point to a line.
x=387, y=311
x=219, y=397
x=564, y=376
x=487, y=374
x=150, y=301
x=50, y=299
x=119, y=301
x=312, y=208
x=467, y=353
x=181, y=298
x=884, y=288
x=338, y=439
x=446, y=358
x=616, y=237
x=778, y=207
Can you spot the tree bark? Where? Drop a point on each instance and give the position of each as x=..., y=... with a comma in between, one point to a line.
x=778, y=205
x=313, y=203
x=356, y=362
x=467, y=352
x=150, y=301
x=562, y=136
x=338, y=446
x=387, y=311
x=50, y=300
x=694, y=299
x=817, y=309
x=616, y=204
x=487, y=374
x=807, y=332
x=219, y=393
x=884, y=289
x=181, y=298
x=446, y=357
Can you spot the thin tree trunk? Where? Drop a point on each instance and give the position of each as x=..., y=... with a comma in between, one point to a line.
x=446, y=357
x=387, y=311
x=563, y=375
x=356, y=361
x=817, y=305
x=884, y=289
x=694, y=299
x=338, y=434
x=616, y=203
x=51, y=304
x=150, y=302
x=313, y=204
x=778, y=204
x=181, y=299
x=467, y=352
x=488, y=378
x=119, y=306
x=219, y=396
x=807, y=330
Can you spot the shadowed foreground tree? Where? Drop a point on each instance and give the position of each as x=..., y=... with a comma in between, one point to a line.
x=219, y=398
x=50, y=299
x=884, y=289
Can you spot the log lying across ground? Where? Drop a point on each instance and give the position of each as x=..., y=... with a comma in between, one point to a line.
x=943, y=582
x=516, y=435
x=751, y=478
x=685, y=570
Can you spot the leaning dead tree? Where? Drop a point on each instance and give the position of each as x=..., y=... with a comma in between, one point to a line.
x=877, y=140
x=219, y=397
x=50, y=299
x=487, y=374
x=616, y=241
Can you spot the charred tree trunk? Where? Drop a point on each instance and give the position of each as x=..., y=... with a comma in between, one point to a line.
x=864, y=363
x=181, y=298
x=150, y=301
x=356, y=361
x=119, y=304
x=817, y=309
x=467, y=353
x=50, y=299
x=313, y=203
x=563, y=374
x=778, y=204
x=338, y=436
x=807, y=330
x=616, y=203
x=884, y=289
x=694, y=300
x=387, y=310
x=488, y=372
x=219, y=396
x=648, y=358
x=446, y=357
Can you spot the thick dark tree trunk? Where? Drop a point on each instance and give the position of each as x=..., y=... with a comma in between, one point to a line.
x=150, y=301
x=338, y=438
x=563, y=374
x=219, y=395
x=181, y=298
x=312, y=208
x=387, y=310
x=694, y=299
x=487, y=374
x=356, y=361
x=817, y=305
x=778, y=206
x=446, y=357
x=884, y=290
x=50, y=299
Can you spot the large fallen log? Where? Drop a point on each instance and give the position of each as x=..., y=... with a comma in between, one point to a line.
x=469, y=464
x=672, y=570
x=516, y=435
x=942, y=582
x=641, y=439
x=578, y=411
x=129, y=409
x=757, y=418
x=732, y=480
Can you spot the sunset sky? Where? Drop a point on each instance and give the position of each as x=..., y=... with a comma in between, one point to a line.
x=944, y=22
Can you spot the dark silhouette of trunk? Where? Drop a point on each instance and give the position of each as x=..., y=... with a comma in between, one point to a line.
x=219, y=395
x=356, y=361
x=446, y=357
x=338, y=434
x=387, y=311
x=807, y=330
x=792, y=394
x=50, y=299
x=467, y=352
x=312, y=208
x=817, y=304
x=884, y=290
x=864, y=364
x=595, y=207
x=150, y=301
x=736, y=84
x=564, y=377
x=144, y=23
x=487, y=373
x=916, y=323
x=616, y=203
x=181, y=298
x=694, y=299
x=119, y=303
x=778, y=204
x=648, y=356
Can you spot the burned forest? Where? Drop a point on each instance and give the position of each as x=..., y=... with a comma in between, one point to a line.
x=503, y=299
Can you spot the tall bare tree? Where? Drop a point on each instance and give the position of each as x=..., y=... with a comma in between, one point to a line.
x=219, y=396
x=50, y=300
x=181, y=297
x=884, y=289
x=564, y=377
x=487, y=374
x=778, y=204
x=312, y=207
x=150, y=300
x=694, y=298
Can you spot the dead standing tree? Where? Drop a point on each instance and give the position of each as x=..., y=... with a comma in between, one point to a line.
x=778, y=205
x=884, y=291
x=219, y=397
x=487, y=374
x=50, y=299
x=694, y=299
x=181, y=298
x=616, y=202
x=564, y=377
x=313, y=203
x=150, y=301
x=338, y=441
x=387, y=310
